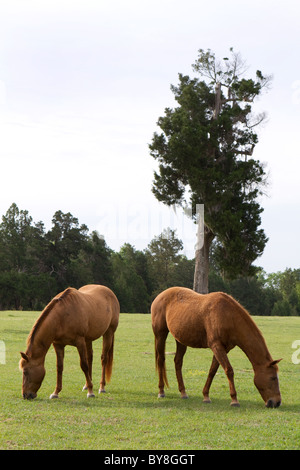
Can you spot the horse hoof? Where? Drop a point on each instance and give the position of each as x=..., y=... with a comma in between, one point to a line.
x=84, y=388
x=101, y=390
x=161, y=395
x=207, y=400
x=235, y=404
x=91, y=395
x=184, y=397
x=53, y=395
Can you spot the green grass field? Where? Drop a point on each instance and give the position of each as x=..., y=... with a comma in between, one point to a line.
x=130, y=416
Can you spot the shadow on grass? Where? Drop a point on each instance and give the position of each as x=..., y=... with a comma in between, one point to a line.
x=141, y=400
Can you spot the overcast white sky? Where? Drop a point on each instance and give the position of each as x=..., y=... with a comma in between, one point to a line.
x=82, y=83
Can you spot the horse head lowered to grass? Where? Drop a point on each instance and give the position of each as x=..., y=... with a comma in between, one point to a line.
x=73, y=317
x=214, y=321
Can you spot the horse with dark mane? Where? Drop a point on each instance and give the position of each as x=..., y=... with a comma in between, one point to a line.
x=214, y=321
x=73, y=317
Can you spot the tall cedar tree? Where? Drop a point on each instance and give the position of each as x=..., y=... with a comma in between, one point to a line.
x=205, y=156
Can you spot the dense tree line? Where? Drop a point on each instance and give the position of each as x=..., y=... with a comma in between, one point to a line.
x=36, y=264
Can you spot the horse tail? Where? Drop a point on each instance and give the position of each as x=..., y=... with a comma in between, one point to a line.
x=160, y=330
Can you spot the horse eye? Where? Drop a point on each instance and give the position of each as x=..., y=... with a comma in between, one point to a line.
x=274, y=378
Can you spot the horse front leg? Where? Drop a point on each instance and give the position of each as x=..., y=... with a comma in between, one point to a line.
x=178, y=360
x=212, y=372
x=84, y=364
x=221, y=356
x=60, y=352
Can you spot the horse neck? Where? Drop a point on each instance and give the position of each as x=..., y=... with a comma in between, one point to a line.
x=254, y=346
x=41, y=341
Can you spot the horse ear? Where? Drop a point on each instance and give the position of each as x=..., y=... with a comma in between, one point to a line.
x=273, y=363
x=24, y=356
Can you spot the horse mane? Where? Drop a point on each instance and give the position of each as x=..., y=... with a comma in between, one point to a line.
x=66, y=294
x=244, y=312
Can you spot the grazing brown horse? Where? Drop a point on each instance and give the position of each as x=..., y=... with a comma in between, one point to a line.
x=214, y=321
x=73, y=317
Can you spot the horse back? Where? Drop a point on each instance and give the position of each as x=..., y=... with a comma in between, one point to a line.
x=89, y=311
x=194, y=319
x=101, y=307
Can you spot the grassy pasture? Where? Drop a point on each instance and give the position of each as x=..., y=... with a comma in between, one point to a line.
x=129, y=416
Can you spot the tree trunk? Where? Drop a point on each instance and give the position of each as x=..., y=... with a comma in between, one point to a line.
x=202, y=263
x=202, y=249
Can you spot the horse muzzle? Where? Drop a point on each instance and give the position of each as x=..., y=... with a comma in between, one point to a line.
x=273, y=404
x=29, y=396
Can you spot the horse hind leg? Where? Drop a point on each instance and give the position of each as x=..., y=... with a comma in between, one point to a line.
x=89, y=350
x=178, y=360
x=84, y=364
